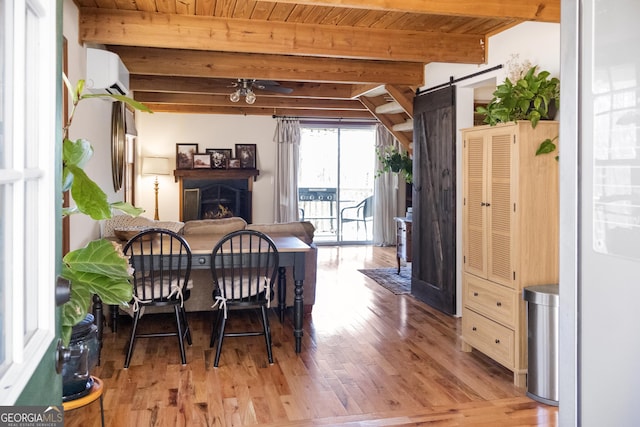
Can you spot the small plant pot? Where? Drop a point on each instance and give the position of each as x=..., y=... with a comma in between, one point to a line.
x=80, y=359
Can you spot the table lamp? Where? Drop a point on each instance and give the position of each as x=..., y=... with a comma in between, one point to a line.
x=155, y=166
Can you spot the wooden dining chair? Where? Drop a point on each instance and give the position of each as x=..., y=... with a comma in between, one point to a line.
x=244, y=267
x=162, y=262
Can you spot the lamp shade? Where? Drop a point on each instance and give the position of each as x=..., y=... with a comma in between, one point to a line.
x=155, y=166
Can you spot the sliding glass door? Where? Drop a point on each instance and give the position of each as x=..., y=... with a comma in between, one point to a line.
x=337, y=170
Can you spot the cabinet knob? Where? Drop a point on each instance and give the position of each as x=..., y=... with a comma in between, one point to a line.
x=475, y=294
x=483, y=204
x=474, y=328
x=497, y=341
x=499, y=304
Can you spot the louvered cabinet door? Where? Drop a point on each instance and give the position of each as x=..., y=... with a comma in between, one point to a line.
x=500, y=208
x=474, y=212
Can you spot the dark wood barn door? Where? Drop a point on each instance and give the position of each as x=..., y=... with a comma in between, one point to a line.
x=433, y=276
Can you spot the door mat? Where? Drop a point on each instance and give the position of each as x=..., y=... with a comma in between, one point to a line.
x=389, y=278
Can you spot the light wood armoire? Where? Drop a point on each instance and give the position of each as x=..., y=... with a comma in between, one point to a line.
x=510, y=235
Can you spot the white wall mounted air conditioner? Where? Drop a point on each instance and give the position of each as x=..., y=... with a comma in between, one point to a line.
x=106, y=73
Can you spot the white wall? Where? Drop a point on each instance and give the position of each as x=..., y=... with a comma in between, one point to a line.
x=537, y=42
x=158, y=134
x=92, y=122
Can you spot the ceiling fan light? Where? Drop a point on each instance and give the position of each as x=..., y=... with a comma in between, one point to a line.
x=250, y=98
x=235, y=96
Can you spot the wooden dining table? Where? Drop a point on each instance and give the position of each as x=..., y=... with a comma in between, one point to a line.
x=292, y=253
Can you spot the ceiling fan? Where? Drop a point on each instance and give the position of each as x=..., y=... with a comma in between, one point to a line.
x=245, y=88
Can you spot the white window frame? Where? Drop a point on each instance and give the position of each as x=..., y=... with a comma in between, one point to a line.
x=27, y=175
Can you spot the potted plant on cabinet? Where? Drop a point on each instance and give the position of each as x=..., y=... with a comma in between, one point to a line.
x=534, y=96
x=100, y=268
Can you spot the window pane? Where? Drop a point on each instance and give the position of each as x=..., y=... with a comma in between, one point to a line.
x=337, y=170
x=31, y=186
x=3, y=288
x=3, y=200
x=318, y=180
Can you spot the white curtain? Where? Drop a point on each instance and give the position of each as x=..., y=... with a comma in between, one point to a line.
x=386, y=195
x=287, y=138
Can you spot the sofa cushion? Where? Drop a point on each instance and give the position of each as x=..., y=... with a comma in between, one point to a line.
x=220, y=226
x=126, y=221
x=303, y=230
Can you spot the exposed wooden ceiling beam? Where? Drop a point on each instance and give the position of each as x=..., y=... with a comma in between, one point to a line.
x=360, y=90
x=190, y=63
x=403, y=96
x=386, y=120
x=530, y=10
x=134, y=28
x=249, y=111
x=146, y=83
x=261, y=101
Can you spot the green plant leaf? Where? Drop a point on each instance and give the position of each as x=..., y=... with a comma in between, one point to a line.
x=534, y=116
x=99, y=268
x=546, y=146
x=89, y=197
x=524, y=104
x=543, y=75
x=74, y=153
x=99, y=257
x=132, y=102
x=537, y=102
x=78, y=91
x=69, y=86
x=127, y=208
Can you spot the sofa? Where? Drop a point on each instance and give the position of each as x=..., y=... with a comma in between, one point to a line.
x=200, y=299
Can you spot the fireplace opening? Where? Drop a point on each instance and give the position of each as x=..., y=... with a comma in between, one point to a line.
x=214, y=199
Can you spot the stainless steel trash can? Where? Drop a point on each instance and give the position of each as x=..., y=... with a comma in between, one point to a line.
x=542, y=339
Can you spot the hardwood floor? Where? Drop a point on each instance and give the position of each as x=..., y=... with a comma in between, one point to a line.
x=369, y=358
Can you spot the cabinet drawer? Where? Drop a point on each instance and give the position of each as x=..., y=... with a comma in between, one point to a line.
x=491, y=338
x=492, y=300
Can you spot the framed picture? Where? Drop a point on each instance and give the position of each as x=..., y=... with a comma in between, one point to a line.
x=184, y=155
x=219, y=157
x=202, y=161
x=246, y=153
x=234, y=163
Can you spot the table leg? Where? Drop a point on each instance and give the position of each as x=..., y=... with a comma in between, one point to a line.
x=398, y=265
x=101, y=411
x=298, y=307
x=114, y=318
x=99, y=321
x=298, y=310
x=282, y=292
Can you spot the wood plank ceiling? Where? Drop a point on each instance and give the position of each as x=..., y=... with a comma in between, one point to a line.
x=342, y=58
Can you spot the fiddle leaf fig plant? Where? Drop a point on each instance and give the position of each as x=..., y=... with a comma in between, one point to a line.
x=394, y=161
x=100, y=267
